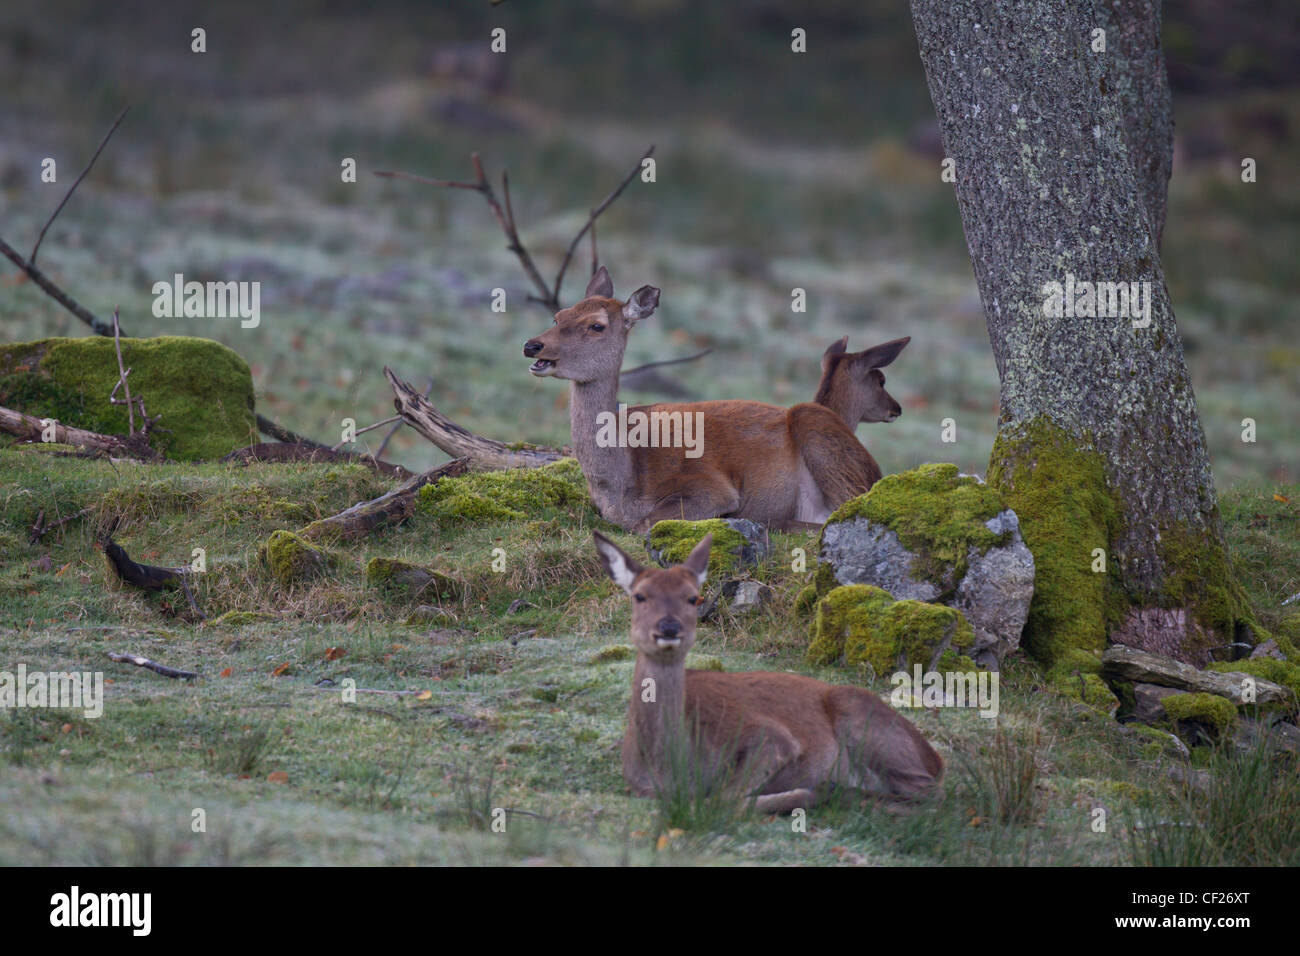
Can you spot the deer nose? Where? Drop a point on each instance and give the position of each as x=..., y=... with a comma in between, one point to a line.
x=531, y=348
x=668, y=627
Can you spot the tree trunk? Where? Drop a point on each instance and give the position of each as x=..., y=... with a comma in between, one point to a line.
x=1062, y=157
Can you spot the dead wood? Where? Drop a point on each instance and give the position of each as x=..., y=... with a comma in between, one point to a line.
x=388, y=509
x=30, y=428
x=154, y=666
x=277, y=451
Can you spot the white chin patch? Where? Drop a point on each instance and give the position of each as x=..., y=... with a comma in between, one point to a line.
x=666, y=642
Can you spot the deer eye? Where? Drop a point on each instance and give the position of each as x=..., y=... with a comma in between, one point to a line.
x=640, y=598
x=693, y=600
x=597, y=327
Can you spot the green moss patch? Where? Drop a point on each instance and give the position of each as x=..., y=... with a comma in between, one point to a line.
x=860, y=624
x=1265, y=668
x=512, y=495
x=1058, y=489
x=1209, y=710
x=291, y=558
x=202, y=389
x=937, y=514
x=674, y=540
x=410, y=580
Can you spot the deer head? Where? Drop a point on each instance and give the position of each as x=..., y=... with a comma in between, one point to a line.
x=586, y=343
x=853, y=386
x=663, y=599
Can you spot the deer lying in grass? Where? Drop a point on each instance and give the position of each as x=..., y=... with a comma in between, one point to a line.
x=852, y=385
x=779, y=738
x=784, y=467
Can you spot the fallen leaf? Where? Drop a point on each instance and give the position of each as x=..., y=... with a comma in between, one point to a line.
x=227, y=672
x=278, y=776
x=424, y=695
x=281, y=670
x=334, y=653
x=1282, y=498
x=69, y=564
x=66, y=729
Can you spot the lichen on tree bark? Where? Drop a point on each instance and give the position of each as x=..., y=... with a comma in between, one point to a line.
x=1058, y=175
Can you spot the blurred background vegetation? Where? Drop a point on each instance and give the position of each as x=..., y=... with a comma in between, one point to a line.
x=775, y=170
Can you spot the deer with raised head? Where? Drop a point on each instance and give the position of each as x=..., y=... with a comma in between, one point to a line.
x=781, y=739
x=784, y=467
x=852, y=385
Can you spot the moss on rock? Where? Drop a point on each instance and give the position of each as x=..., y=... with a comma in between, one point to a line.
x=1077, y=674
x=1265, y=668
x=202, y=389
x=938, y=515
x=1217, y=713
x=239, y=619
x=292, y=558
x=858, y=624
x=1057, y=487
x=512, y=495
x=673, y=541
x=410, y=580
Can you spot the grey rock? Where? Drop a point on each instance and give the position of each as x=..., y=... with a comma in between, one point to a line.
x=1149, y=706
x=1268, y=649
x=994, y=593
x=1130, y=664
x=747, y=596
x=757, y=546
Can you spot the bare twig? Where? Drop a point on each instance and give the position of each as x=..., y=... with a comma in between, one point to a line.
x=48, y=286
x=40, y=529
x=102, y=143
x=369, y=428
x=122, y=382
x=591, y=220
x=147, y=664
x=379, y=453
x=548, y=296
x=31, y=428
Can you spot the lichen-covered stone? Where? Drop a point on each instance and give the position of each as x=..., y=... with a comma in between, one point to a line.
x=514, y=494
x=202, y=389
x=937, y=536
x=737, y=543
x=613, y=652
x=1127, y=664
x=410, y=580
x=859, y=624
x=291, y=558
x=1265, y=668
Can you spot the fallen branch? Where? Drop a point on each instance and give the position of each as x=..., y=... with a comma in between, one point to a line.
x=147, y=577
x=147, y=664
x=30, y=428
x=484, y=453
x=388, y=509
x=379, y=452
x=48, y=286
x=40, y=529
x=277, y=451
x=282, y=434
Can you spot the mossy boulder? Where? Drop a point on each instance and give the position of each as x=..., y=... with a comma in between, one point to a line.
x=737, y=543
x=291, y=558
x=1236, y=685
x=202, y=389
x=1284, y=673
x=239, y=619
x=1214, y=715
x=937, y=536
x=410, y=580
x=858, y=624
x=1078, y=674
x=516, y=494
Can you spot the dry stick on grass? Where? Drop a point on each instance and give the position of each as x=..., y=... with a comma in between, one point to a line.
x=282, y=434
x=147, y=664
x=40, y=529
x=388, y=509
x=44, y=282
x=26, y=426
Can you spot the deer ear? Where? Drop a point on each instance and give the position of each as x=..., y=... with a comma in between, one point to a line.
x=697, y=562
x=836, y=348
x=621, y=568
x=879, y=356
x=642, y=303
x=601, y=284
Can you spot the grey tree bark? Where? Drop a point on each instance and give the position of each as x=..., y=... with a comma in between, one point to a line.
x=1062, y=162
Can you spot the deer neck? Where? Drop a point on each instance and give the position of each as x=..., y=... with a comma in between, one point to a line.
x=657, y=710
x=839, y=399
x=609, y=472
